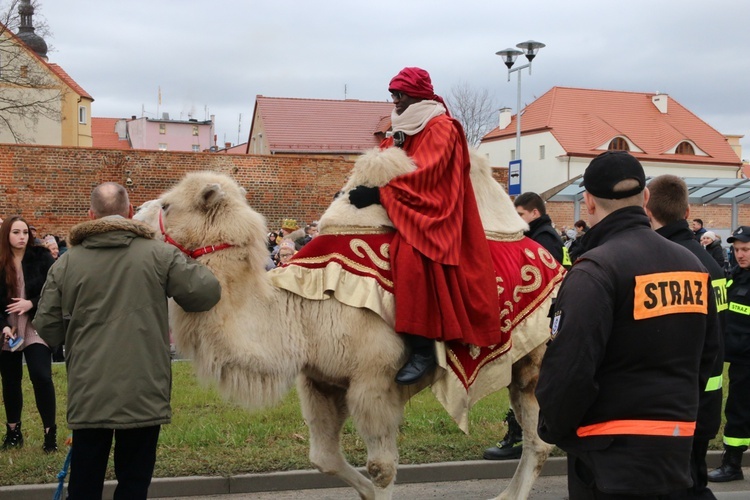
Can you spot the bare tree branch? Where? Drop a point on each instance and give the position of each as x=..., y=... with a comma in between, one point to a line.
x=474, y=108
x=28, y=91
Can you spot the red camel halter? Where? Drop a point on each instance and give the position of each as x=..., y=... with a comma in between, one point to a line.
x=191, y=253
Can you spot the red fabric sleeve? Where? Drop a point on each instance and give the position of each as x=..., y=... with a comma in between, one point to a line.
x=426, y=205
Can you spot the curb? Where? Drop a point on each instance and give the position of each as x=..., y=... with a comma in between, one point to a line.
x=311, y=479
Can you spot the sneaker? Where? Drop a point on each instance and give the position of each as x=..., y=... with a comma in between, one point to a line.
x=13, y=437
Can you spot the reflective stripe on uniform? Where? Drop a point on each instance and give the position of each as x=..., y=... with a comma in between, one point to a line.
x=720, y=293
x=714, y=383
x=730, y=441
x=566, y=257
x=639, y=428
x=739, y=308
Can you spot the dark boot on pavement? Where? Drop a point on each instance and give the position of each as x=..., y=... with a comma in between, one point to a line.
x=13, y=437
x=511, y=445
x=731, y=466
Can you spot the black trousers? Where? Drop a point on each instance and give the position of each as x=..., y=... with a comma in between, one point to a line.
x=737, y=410
x=135, y=457
x=582, y=486
x=39, y=364
x=699, y=473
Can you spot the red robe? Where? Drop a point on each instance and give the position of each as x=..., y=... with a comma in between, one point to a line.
x=444, y=281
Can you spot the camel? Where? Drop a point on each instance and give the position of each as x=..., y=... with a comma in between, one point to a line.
x=260, y=338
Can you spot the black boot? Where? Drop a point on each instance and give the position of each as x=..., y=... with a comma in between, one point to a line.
x=13, y=437
x=511, y=445
x=731, y=465
x=50, y=440
x=421, y=360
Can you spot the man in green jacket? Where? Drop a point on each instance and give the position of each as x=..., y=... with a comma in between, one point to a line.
x=106, y=298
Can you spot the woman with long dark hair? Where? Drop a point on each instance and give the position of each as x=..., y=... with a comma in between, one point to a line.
x=23, y=270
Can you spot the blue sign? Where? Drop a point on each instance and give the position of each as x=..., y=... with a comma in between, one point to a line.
x=514, y=178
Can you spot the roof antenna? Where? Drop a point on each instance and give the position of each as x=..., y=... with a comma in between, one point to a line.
x=345, y=92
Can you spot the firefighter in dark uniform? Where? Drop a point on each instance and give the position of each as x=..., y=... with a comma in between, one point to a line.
x=668, y=209
x=737, y=353
x=634, y=339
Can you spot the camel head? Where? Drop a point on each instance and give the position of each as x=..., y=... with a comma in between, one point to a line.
x=496, y=209
x=209, y=208
x=375, y=168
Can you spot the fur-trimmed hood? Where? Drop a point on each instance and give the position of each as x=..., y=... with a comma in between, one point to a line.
x=80, y=232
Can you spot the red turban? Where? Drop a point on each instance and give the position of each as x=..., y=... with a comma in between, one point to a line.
x=414, y=82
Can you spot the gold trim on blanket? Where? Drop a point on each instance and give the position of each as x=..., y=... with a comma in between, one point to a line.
x=497, y=352
x=334, y=281
x=496, y=236
x=344, y=230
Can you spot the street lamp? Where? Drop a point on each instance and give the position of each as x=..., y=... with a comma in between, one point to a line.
x=529, y=49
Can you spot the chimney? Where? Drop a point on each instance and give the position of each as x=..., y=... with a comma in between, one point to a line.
x=505, y=115
x=227, y=145
x=660, y=101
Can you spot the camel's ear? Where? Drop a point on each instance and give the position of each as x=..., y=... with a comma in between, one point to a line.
x=211, y=195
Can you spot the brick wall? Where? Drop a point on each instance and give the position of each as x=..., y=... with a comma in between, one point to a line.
x=50, y=186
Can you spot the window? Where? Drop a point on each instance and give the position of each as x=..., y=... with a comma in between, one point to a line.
x=618, y=144
x=541, y=152
x=24, y=71
x=196, y=148
x=162, y=146
x=162, y=128
x=685, y=148
x=82, y=115
x=195, y=129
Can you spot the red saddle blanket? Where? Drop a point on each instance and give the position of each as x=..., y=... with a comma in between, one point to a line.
x=355, y=269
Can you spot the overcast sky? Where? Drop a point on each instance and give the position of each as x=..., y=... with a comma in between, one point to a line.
x=218, y=55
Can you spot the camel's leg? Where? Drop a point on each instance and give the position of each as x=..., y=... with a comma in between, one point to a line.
x=324, y=408
x=377, y=406
x=526, y=407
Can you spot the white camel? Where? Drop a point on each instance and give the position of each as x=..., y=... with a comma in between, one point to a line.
x=260, y=338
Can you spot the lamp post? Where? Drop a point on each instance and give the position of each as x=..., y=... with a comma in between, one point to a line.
x=529, y=49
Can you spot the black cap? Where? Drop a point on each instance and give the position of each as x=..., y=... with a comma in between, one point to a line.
x=742, y=233
x=608, y=169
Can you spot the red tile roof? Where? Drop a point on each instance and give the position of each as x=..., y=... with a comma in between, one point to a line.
x=583, y=119
x=69, y=81
x=56, y=69
x=103, y=134
x=319, y=125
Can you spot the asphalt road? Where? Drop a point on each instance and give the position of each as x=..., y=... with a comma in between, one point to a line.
x=545, y=488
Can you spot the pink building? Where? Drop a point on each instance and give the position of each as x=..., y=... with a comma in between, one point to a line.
x=171, y=135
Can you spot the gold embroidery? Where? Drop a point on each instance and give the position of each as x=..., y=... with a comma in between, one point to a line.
x=460, y=369
x=495, y=236
x=529, y=253
x=344, y=230
x=356, y=245
x=385, y=250
x=324, y=259
x=547, y=258
x=500, y=288
x=528, y=272
x=474, y=351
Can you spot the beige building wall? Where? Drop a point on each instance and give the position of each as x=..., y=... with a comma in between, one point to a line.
x=258, y=144
x=26, y=80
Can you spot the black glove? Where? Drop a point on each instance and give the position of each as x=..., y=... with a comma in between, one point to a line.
x=363, y=196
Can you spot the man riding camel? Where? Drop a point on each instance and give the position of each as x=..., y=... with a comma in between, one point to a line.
x=444, y=281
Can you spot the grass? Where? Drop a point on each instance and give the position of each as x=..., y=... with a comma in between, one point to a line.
x=209, y=436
